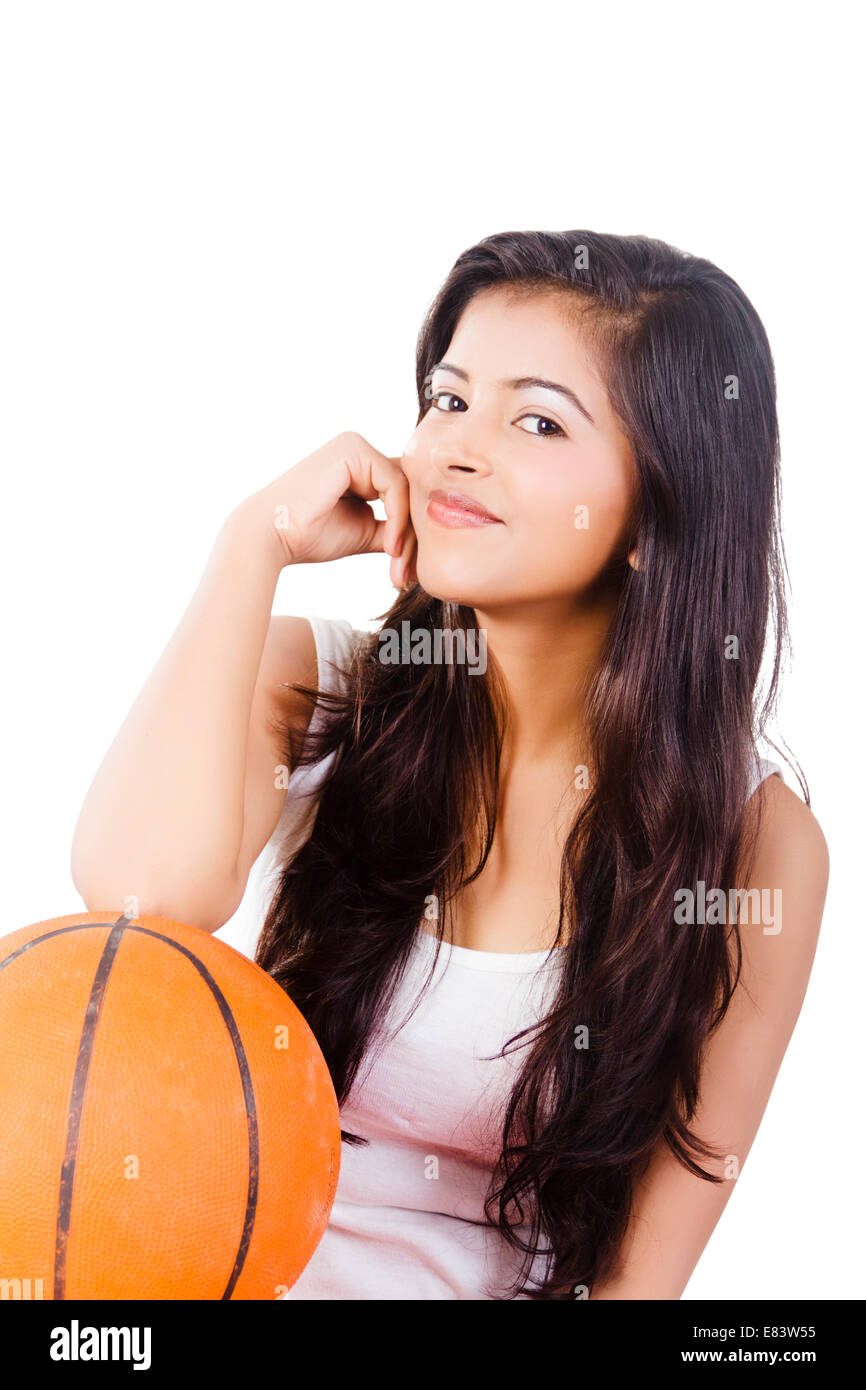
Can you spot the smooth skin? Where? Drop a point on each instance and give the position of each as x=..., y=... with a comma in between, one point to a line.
x=188, y=794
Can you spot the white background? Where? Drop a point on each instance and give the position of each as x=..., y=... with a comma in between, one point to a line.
x=222, y=225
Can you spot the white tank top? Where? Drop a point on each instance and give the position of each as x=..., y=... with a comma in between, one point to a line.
x=408, y=1216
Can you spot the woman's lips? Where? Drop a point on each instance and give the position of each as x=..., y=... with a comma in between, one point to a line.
x=456, y=510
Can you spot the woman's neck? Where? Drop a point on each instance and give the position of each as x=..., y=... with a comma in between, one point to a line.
x=546, y=659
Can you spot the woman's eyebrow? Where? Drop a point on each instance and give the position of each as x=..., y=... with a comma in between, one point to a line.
x=520, y=383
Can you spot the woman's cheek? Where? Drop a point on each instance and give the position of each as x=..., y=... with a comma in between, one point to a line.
x=562, y=513
x=414, y=452
x=578, y=530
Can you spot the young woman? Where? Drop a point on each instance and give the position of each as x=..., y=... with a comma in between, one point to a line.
x=549, y=915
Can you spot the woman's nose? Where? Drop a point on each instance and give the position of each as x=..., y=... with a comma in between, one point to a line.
x=466, y=450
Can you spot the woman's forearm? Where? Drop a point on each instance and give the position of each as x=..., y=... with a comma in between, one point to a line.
x=162, y=822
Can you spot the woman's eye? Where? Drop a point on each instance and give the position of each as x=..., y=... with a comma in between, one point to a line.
x=551, y=433
x=447, y=395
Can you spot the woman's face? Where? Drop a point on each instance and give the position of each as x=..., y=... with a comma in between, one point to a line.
x=559, y=484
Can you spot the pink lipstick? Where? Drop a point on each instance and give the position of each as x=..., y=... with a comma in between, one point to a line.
x=456, y=510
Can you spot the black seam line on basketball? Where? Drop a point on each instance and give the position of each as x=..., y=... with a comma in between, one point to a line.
x=58, y=931
x=76, y=1103
x=246, y=1079
x=249, y=1097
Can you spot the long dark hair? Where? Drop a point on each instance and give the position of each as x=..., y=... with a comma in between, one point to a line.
x=673, y=713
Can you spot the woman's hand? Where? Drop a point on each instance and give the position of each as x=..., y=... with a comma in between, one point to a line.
x=319, y=510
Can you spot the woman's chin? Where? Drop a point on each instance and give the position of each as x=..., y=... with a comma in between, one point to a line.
x=453, y=588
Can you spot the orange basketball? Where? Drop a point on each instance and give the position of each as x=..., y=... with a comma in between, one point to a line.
x=169, y=1127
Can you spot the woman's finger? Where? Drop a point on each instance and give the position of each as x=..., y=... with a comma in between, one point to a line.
x=393, y=489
